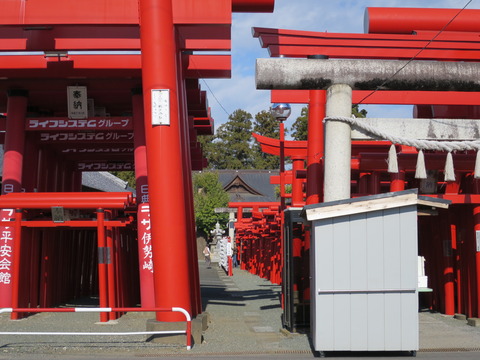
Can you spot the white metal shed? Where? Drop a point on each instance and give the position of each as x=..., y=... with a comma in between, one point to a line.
x=363, y=266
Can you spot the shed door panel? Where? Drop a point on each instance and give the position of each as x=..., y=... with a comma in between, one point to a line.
x=365, y=279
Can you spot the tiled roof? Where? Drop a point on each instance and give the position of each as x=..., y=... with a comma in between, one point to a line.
x=258, y=187
x=103, y=181
x=97, y=181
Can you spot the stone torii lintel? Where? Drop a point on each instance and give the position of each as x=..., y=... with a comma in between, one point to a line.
x=281, y=73
x=339, y=77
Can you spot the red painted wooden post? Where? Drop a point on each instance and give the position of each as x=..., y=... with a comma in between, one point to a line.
x=41, y=170
x=476, y=217
x=449, y=272
x=102, y=266
x=281, y=247
x=457, y=263
x=30, y=164
x=147, y=294
x=16, y=262
x=297, y=184
x=164, y=159
x=110, y=263
x=34, y=267
x=11, y=182
x=315, y=148
x=186, y=124
x=397, y=181
x=374, y=183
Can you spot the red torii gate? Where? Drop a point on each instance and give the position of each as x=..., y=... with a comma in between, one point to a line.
x=97, y=44
x=401, y=34
x=101, y=204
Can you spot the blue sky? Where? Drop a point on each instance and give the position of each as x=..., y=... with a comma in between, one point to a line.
x=340, y=16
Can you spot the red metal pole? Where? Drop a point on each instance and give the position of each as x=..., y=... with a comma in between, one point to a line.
x=41, y=170
x=49, y=268
x=397, y=181
x=374, y=183
x=35, y=261
x=282, y=167
x=315, y=145
x=43, y=269
x=147, y=294
x=297, y=191
x=51, y=170
x=363, y=179
x=30, y=164
x=278, y=272
x=102, y=266
x=241, y=252
x=14, y=142
x=76, y=180
x=449, y=272
x=164, y=159
x=458, y=270
x=11, y=182
x=476, y=219
x=16, y=262
x=186, y=126
x=110, y=260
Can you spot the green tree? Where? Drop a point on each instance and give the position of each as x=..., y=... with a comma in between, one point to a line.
x=265, y=125
x=359, y=113
x=128, y=176
x=231, y=147
x=209, y=148
x=300, y=126
x=208, y=195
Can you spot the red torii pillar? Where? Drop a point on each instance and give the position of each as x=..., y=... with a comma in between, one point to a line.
x=315, y=145
x=12, y=182
x=476, y=221
x=147, y=294
x=297, y=184
x=164, y=161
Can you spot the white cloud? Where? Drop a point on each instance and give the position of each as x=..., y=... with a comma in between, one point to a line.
x=344, y=16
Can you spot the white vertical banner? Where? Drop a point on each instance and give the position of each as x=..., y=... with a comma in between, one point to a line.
x=77, y=102
x=160, y=106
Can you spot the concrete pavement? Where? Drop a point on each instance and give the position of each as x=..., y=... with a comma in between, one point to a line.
x=245, y=319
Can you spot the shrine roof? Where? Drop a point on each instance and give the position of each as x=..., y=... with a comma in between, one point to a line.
x=104, y=181
x=248, y=185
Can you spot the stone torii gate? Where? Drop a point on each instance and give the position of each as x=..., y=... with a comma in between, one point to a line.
x=339, y=77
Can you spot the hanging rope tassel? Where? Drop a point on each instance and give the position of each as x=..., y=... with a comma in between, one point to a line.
x=476, y=174
x=392, y=160
x=420, y=171
x=449, y=170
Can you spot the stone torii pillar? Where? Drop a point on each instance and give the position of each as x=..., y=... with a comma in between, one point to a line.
x=340, y=77
x=338, y=148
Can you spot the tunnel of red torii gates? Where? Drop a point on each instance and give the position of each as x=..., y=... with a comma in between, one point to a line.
x=56, y=58
x=449, y=240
